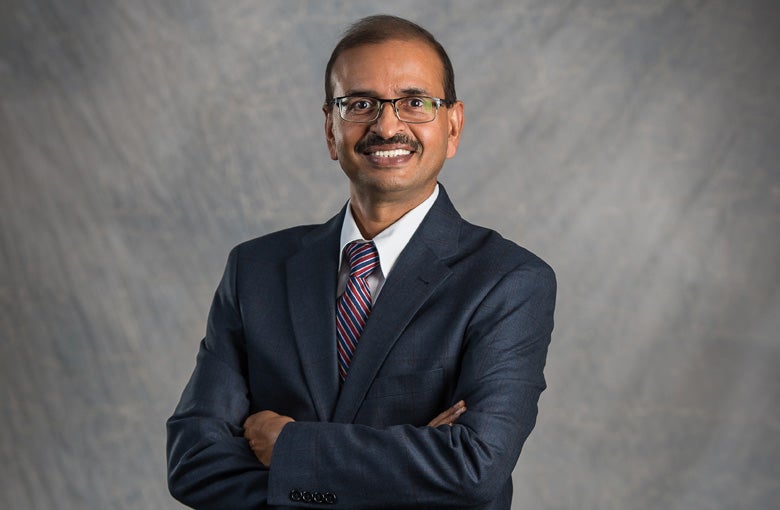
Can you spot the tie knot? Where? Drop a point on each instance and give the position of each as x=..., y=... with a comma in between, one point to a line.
x=362, y=258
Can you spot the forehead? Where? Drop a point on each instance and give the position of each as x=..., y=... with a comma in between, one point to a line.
x=389, y=68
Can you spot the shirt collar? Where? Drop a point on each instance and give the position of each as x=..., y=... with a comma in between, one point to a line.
x=392, y=240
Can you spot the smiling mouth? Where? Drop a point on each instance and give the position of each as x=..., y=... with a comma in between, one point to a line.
x=398, y=147
x=395, y=153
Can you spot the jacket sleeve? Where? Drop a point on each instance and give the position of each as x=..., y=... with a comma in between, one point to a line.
x=467, y=464
x=210, y=465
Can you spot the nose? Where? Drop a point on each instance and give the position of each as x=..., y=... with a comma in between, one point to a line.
x=387, y=124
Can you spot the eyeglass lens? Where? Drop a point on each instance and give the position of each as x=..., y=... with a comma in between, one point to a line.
x=409, y=109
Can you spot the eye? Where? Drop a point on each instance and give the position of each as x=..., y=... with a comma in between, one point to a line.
x=359, y=104
x=416, y=103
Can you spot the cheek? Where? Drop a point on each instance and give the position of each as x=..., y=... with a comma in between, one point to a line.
x=344, y=137
x=434, y=141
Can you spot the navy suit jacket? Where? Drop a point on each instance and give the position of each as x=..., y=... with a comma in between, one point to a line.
x=464, y=314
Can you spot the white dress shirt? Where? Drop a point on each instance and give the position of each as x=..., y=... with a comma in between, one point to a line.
x=389, y=243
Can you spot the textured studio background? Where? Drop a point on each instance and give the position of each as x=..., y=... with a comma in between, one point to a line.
x=634, y=145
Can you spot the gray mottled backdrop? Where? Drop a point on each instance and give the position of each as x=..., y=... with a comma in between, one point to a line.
x=635, y=145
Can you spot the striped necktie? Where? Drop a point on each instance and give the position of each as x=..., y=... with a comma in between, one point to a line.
x=354, y=304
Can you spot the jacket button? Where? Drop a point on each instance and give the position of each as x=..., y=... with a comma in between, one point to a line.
x=317, y=497
x=295, y=495
x=329, y=498
x=306, y=497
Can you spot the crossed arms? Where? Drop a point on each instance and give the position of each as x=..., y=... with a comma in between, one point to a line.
x=221, y=455
x=262, y=429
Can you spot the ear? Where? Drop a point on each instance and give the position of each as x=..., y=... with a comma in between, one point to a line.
x=330, y=138
x=455, y=119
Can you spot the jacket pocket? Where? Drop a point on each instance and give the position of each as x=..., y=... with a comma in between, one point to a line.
x=407, y=384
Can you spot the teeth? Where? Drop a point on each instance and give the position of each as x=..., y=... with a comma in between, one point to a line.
x=392, y=154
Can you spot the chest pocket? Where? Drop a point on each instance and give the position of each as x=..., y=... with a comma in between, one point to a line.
x=414, y=398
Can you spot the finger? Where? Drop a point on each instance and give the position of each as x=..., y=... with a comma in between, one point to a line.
x=450, y=415
x=456, y=412
x=440, y=419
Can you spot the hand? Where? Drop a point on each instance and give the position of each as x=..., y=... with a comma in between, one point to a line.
x=261, y=430
x=449, y=416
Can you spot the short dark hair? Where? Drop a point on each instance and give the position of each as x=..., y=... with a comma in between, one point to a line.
x=380, y=28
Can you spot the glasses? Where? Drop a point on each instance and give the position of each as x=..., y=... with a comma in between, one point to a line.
x=409, y=109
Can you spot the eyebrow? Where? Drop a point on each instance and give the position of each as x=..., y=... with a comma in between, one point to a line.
x=412, y=91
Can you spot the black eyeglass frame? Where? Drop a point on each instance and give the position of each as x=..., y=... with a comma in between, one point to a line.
x=438, y=103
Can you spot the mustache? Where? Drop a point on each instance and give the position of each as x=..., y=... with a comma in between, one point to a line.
x=373, y=140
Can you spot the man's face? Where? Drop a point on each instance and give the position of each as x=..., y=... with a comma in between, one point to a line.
x=389, y=159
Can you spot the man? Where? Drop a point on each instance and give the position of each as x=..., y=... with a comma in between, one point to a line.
x=328, y=377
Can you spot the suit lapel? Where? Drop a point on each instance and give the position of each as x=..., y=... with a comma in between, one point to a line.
x=419, y=270
x=311, y=281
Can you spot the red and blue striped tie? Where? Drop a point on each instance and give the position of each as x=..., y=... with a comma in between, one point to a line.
x=354, y=304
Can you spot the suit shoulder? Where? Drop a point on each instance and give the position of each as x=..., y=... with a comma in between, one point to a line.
x=493, y=251
x=273, y=246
